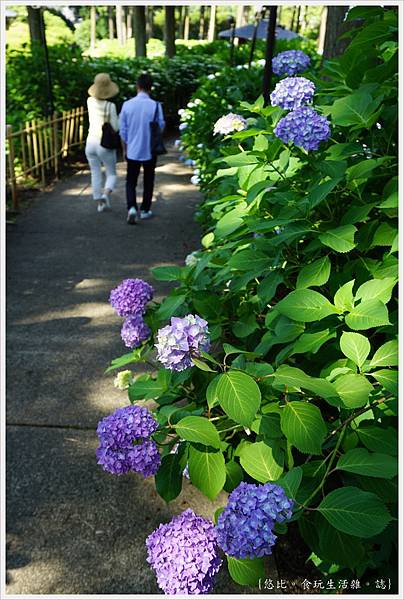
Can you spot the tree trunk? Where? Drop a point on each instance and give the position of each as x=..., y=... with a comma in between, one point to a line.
x=111, y=29
x=93, y=25
x=118, y=16
x=298, y=19
x=335, y=27
x=149, y=23
x=212, y=24
x=186, y=23
x=129, y=21
x=239, y=21
x=201, y=35
x=292, y=22
x=169, y=30
x=34, y=22
x=124, y=33
x=180, y=23
x=321, y=33
x=139, y=28
x=304, y=22
x=279, y=15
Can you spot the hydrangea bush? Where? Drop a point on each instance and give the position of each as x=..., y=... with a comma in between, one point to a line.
x=292, y=407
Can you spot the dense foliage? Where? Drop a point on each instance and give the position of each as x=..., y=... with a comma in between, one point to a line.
x=296, y=279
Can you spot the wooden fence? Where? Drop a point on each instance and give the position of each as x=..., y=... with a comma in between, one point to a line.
x=35, y=151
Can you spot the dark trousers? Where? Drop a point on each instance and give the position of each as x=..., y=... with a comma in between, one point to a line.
x=149, y=167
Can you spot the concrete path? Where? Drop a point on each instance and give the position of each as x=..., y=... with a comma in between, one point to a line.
x=71, y=527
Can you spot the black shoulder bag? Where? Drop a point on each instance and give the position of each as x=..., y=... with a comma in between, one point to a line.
x=156, y=137
x=110, y=138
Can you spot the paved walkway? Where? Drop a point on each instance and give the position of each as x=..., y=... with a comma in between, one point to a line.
x=71, y=527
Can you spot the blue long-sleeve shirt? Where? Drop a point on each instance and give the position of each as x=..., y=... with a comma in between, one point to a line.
x=134, y=125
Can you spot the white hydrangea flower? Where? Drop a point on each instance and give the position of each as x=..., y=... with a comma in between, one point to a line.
x=195, y=180
x=229, y=123
x=123, y=380
x=191, y=260
x=183, y=126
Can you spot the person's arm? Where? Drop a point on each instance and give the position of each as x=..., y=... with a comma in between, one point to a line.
x=123, y=130
x=114, y=117
x=160, y=117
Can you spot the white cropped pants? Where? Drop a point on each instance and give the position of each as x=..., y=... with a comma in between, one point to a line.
x=97, y=157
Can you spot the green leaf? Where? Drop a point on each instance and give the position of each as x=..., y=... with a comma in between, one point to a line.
x=353, y=390
x=384, y=235
x=368, y=314
x=378, y=289
x=168, y=478
x=146, y=390
x=207, y=471
x=234, y=476
x=246, y=571
x=303, y=426
x=375, y=438
x=169, y=273
x=170, y=306
x=364, y=169
x=262, y=462
x=305, y=305
x=268, y=286
x=356, y=109
x=355, y=346
x=340, y=239
x=239, y=396
x=202, y=365
x=314, y=274
x=230, y=221
x=357, y=513
x=291, y=376
x=339, y=548
x=386, y=355
x=312, y=342
x=211, y=393
x=291, y=481
x=268, y=426
x=198, y=429
x=126, y=359
x=371, y=464
x=343, y=298
x=321, y=191
x=388, y=378
x=248, y=260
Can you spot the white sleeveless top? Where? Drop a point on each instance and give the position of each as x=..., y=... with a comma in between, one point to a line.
x=100, y=111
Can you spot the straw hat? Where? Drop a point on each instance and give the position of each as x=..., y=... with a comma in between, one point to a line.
x=103, y=87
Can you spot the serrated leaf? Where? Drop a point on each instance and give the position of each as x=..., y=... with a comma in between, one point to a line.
x=386, y=355
x=305, y=305
x=303, y=426
x=207, y=471
x=211, y=393
x=340, y=239
x=355, y=346
x=338, y=547
x=200, y=430
x=353, y=389
x=291, y=376
x=388, y=378
x=343, y=298
x=170, y=306
x=312, y=342
x=239, y=396
x=202, y=365
x=291, y=481
x=368, y=314
x=370, y=464
x=168, y=478
x=378, y=439
x=314, y=274
x=357, y=513
x=261, y=462
x=168, y=273
x=380, y=289
x=246, y=571
x=234, y=476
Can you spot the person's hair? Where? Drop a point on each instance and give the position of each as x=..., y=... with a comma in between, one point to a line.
x=145, y=82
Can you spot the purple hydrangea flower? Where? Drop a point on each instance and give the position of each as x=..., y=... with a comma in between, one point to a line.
x=130, y=297
x=184, y=554
x=290, y=62
x=179, y=342
x=229, y=123
x=124, y=444
x=244, y=528
x=292, y=92
x=134, y=331
x=304, y=127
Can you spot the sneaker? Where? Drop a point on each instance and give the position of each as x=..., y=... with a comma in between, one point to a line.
x=101, y=206
x=146, y=214
x=107, y=200
x=132, y=216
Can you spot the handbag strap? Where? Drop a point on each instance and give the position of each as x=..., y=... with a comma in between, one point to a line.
x=106, y=112
x=155, y=112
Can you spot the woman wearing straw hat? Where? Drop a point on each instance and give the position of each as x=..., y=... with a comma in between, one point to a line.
x=101, y=111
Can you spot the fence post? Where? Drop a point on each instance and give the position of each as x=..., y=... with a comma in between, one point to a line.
x=55, y=144
x=41, y=133
x=11, y=157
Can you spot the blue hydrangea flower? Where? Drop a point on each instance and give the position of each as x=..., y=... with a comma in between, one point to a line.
x=178, y=342
x=130, y=297
x=134, y=331
x=229, y=123
x=184, y=554
x=304, y=127
x=290, y=62
x=245, y=527
x=292, y=92
x=124, y=442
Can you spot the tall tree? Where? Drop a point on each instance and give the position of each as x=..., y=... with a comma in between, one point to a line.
x=124, y=32
x=149, y=22
x=129, y=22
x=139, y=28
x=335, y=27
x=180, y=23
x=111, y=28
x=93, y=26
x=201, y=34
x=169, y=30
x=118, y=17
x=34, y=22
x=298, y=19
x=292, y=21
x=212, y=24
x=186, y=22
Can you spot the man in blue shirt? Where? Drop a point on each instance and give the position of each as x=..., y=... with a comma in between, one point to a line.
x=134, y=128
